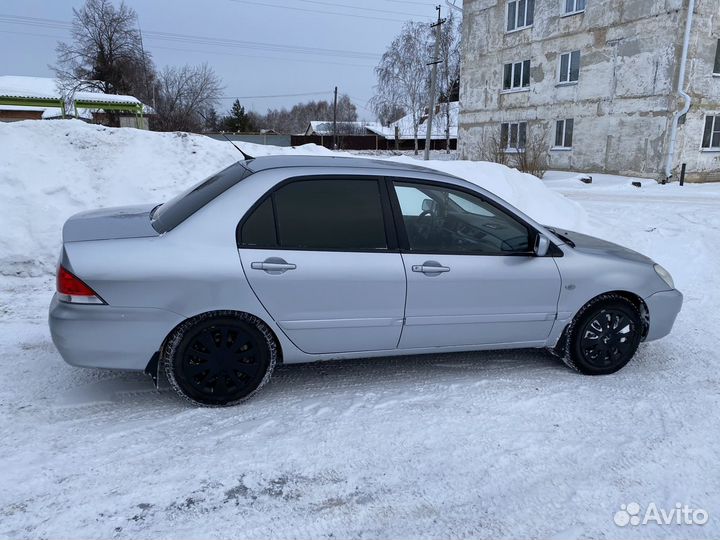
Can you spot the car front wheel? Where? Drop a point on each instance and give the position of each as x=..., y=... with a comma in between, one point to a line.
x=219, y=359
x=604, y=335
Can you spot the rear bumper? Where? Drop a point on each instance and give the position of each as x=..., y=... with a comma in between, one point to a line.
x=101, y=336
x=663, y=308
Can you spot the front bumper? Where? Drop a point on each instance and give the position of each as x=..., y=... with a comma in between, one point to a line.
x=663, y=308
x=101, y=336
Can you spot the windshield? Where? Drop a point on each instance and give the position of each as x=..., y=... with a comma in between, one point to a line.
x=169, y=215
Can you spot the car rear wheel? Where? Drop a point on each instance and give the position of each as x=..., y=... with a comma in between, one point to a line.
x=604, y=335
x=219, y=359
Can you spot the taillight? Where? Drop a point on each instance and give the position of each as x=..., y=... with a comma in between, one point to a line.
x=72, y=289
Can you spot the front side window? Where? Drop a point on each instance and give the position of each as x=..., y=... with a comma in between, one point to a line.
x=444, y=220
x=574, y=6
x=516, y=75
x=327, y=214
x=520, y=14
x=564, y=133
x=569, y=67
x=716, y=69
x=513, y=136
x=711, y=134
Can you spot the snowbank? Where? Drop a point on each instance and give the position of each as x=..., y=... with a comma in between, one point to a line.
x=51, y=170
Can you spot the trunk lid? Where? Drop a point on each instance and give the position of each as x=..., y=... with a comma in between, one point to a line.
x=110, y=223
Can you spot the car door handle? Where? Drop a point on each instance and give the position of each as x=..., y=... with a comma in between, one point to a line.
x=430, y=267
x=273, y=265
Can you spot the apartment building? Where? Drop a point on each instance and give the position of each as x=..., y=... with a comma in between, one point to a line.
x=597, y=80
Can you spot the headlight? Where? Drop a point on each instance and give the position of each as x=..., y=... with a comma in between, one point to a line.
x=665, y=276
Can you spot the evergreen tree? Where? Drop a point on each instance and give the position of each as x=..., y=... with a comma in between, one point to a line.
x=238, y=119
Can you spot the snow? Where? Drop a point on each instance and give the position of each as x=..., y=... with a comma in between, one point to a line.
x=44, y=87
x=406, y=125
x=507, y=444
x=51, y=170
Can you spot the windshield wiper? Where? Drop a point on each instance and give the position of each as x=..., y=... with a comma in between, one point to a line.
x=562, y=237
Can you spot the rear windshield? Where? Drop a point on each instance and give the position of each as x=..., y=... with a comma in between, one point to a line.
x=169, y=215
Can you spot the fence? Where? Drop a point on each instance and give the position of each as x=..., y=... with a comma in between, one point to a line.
x=368, y=142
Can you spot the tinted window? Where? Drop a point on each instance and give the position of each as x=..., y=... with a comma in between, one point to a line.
x=439, y=220
x=259, y=228
x=169, y=215
x=330, y=214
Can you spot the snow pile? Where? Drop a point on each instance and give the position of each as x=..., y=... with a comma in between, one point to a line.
x=51, y=170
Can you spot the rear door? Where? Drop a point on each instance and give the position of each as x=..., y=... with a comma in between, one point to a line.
x=471, y=276
x=321, y=256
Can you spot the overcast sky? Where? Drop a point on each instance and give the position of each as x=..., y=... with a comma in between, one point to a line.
x=279, y=55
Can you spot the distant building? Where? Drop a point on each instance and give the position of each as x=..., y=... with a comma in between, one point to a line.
x=403, y=128
x=39, y=98
x=597, y=79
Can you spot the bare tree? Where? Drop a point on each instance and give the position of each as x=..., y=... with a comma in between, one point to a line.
x=403, y=75
x=388, y=113
x=183, y=93
x=300, y=115
x=493, y=149
x=533, y=159
x=105, y=53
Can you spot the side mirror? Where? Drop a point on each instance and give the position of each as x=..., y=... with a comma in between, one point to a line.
x=542, y=245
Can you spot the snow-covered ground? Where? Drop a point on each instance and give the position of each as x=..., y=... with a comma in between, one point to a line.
x=491, y=445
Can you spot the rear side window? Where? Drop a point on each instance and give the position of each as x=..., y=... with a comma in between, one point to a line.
x=330, y=214
x=169, y=215
x=259, y=229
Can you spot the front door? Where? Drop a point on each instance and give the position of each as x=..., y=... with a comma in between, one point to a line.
x=471, y=276
x=317, y=254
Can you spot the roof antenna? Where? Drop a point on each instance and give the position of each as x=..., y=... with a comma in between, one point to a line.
x=246, y=156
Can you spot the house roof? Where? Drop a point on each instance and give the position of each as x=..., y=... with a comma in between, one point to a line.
x=406, y=125
x=12, y=86
x=325, y=127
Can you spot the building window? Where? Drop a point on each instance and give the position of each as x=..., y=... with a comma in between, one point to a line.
x=513, y=136
x=516, y=75
x=711, y=135
x=569, y=67
x=574, y=6
x=716, y=69
x=520, y=14
x=564, y=133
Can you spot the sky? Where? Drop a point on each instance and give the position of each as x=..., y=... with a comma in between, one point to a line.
x=263, y=50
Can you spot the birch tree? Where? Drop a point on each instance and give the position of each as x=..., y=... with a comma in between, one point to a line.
x=403, y=75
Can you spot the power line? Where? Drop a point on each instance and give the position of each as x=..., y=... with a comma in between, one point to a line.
x=304, y=94
x=280, y=58
x=323, y=12
x=202, y=40
x=361, y=8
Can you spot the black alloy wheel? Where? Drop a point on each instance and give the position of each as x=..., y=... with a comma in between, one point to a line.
x=604, y=336
x=220, y=361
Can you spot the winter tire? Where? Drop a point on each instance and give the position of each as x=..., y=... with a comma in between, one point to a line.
x=219, y=359
x=604, y=335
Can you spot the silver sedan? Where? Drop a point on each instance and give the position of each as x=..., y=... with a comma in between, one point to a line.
x=299, y=259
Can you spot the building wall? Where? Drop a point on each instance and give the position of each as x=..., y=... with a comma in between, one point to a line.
x=622, y=104
x=704, y=90
x=16, y=116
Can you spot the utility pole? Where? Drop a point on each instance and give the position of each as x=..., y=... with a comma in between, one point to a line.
x=335, y=144
x=433, y=82
x=145, y=72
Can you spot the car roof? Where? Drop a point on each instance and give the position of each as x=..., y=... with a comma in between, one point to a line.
x=280, y=162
